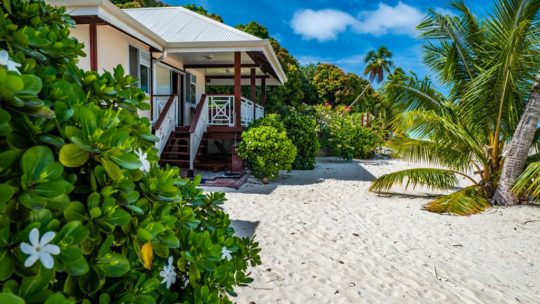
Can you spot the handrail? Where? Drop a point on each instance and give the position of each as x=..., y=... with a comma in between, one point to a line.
x=199, y=125
x=198, y=111
x=163, y=113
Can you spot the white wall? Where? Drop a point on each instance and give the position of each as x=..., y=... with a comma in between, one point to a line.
x=82, y=33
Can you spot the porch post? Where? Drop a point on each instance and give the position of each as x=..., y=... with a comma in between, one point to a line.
x=254, y=92
x=263, y=91
x=93, y=47
x=237, y=87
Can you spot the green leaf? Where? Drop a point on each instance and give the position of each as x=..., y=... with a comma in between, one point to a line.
x=467, y=201
x=75, y=211
x=120, y=217
x=35, y=160
x=6, y=192
x=8, y=265
x=112, y=169
x=9, y=298
x=125, y=160
x=72, y=156
x=51, y=189
x=88, y=121
x=113, y=264
x=432, y=178
x=73, y=233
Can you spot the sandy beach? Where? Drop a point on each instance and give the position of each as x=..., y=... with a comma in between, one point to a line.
x=326, y=239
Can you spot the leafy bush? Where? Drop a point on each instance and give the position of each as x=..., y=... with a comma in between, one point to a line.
x=86, y=215
x=267, y=150
x=301, y=130
x=343, y=135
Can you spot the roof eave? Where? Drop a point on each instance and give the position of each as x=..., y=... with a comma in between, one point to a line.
x=108, y=12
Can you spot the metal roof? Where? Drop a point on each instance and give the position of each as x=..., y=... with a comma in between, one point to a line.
x=178, y=24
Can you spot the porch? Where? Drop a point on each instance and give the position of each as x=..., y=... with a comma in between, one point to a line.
x=215, y=119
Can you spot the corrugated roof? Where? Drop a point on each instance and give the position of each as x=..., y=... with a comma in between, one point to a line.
x=178, y=24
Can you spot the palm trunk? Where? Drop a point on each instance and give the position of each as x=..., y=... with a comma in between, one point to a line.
x=518, y=150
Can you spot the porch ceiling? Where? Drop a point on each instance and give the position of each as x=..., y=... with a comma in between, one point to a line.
x=218, y=67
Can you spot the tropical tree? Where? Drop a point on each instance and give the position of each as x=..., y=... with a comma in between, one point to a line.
x=488, y=67
x=378, y=63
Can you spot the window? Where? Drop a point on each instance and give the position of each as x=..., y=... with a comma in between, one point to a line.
x=163, y=80
x=193, y=88
x=139, y=67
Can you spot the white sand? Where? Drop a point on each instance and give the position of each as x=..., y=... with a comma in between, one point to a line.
x=326, y=239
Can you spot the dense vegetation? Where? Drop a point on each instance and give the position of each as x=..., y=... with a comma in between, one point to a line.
x=86, y=214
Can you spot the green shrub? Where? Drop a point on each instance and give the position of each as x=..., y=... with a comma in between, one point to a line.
x=301, y=130
x=343, y=135
x=79, y=174
x=267, y=150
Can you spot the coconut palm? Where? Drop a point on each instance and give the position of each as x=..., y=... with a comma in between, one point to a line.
x=378, y=63
x=488, y=67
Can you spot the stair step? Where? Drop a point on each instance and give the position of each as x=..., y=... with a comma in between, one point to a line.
x=175, y=161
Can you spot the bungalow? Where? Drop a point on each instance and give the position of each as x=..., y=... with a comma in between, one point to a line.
x=176, y=55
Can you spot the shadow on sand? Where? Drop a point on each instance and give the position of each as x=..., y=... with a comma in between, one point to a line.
x=244, y=229
x=326, y=168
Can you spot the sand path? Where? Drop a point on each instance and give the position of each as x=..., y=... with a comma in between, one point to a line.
x=326, y=239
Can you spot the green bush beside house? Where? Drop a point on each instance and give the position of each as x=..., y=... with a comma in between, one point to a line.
x=86, y=215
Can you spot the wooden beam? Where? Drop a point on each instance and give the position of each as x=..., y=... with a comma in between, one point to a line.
x=88, y=19
x=254, y=91
x=93, y=47
x=237, y=86
x=263, y=91
x=219, y=65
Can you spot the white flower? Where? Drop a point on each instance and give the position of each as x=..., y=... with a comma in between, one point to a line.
x=145, y=164
x=10, y=64
x=40, y=249
x=168, y=274
x=226, y=254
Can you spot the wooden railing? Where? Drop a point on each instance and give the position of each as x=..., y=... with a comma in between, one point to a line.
x=198, y=127
x=246, y=111
x=166, y=121
x=221, y=110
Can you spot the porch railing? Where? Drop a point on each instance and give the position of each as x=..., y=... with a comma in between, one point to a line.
x=221, y=110
x=166, y=120
x=246, y=111
x=198, y=128
x=259, y=112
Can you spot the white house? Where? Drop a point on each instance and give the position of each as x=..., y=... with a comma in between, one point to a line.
x=176, y=54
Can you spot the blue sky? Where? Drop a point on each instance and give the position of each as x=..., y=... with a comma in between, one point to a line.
x=340, y=32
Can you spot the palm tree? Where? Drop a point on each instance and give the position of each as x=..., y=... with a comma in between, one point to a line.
x=488, y=66
x=378, y=63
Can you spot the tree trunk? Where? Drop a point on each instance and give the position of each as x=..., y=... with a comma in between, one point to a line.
x=518, y=150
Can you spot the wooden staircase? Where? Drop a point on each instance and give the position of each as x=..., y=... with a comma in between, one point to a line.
x=176, y=151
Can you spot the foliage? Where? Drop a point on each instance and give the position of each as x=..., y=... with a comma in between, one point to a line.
x=377, y=63
x=343, y=135
x=267, y=150
x=69, y=169
x=488, y=66
x=301, y=130
x=333, y=85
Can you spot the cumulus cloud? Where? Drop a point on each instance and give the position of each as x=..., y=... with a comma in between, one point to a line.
x=401, y=19
x=327, y=24
x=322, y=25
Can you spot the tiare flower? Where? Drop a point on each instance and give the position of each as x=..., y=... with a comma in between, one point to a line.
x=168, y=274
x=40, y=249
x=8, y=63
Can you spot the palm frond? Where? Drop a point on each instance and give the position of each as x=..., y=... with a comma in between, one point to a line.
x=433, y=152
x=467, y=201
x=432, y=178
x=528, y=182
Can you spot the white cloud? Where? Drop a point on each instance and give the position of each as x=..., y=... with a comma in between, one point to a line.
x=401, y=19
x=322, y=25
x=326, y=24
